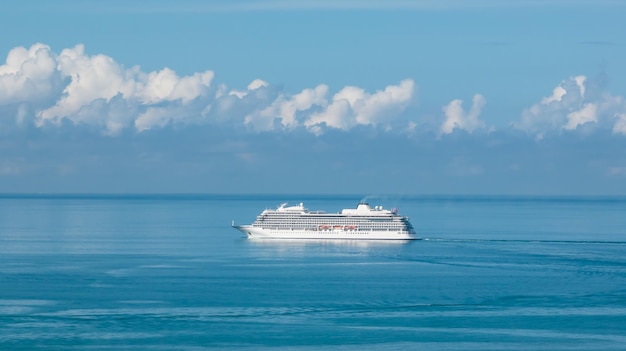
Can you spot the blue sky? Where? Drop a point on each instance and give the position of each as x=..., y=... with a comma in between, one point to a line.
x=363, y=97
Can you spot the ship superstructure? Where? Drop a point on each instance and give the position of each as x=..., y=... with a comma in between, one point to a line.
x=362, y=222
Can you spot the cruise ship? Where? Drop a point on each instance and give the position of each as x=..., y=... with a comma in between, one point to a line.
x=297, y=222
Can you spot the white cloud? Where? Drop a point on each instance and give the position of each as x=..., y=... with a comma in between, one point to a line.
x=165, y=85
x=338, y=114
x=557, y=95
x=586, y=114
x=238, y=93
x=457, y=118
x=284, y=109
x=576, y=101
x=353, y=106
x=254, y=85
x=29, y=75
x=96, y=80
x=349, y=107
x=257, y=83
x=374, y=109
x=580, y=82
x=90, y=79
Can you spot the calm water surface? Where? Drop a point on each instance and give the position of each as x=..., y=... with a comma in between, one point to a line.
x=168, y=273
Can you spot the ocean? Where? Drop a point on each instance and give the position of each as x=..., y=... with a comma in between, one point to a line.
x=167, y=272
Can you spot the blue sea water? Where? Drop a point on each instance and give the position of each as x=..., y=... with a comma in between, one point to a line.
x=94, y=272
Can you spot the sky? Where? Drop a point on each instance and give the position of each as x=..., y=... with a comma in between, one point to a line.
x=519, y=97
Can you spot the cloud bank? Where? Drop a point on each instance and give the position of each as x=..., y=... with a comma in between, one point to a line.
x=41, y=88
x=46, y=88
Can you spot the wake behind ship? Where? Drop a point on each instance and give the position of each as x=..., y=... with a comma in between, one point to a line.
x=362, y=223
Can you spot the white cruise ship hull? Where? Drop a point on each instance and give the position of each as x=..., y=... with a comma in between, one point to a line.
x=261, y=233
